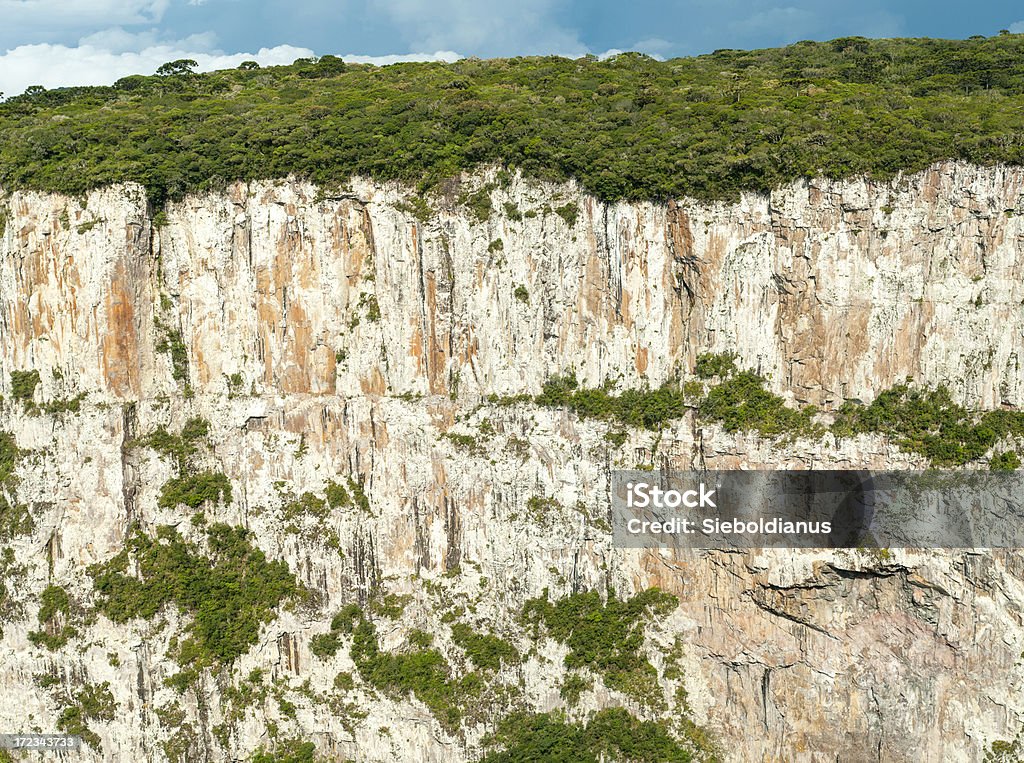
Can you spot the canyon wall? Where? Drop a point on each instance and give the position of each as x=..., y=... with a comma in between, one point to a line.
x=356, y=334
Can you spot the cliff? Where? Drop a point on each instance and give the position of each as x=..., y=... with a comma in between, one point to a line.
x=352, y=337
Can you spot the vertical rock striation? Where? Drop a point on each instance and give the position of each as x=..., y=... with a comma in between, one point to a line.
x=337, y=337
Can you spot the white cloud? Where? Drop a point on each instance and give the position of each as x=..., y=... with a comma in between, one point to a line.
x=104, y=57
x=442, y=55
x=525, y=27
x=22, y=17
x=86, y=64
x=1017, y=27
x=118, y=40
x=652, y=46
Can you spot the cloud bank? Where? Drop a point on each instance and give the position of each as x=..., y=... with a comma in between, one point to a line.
x=89, y=64
x=61, y=66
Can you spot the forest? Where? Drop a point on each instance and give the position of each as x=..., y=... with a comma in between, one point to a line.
x=630, y=127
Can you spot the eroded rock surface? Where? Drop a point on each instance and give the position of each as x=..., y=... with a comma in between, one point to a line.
x=336, y=336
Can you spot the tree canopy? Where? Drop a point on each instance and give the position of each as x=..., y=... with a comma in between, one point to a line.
x=629, y=127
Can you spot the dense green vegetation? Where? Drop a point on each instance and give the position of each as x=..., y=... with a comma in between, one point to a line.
x=632, y=407
x=419, y=669
x=192, y=486
x=739, y=401
x=325, y=645
x=606, y=636
x=929, y=422
x=23, y=385
x=712, y=364
x=230, y=589
x=173, y=344
x=611, y=734
x=742, y=403
x=193, y=490
x=485, y=650
x=55, y=615
x=15, y=518
x=181, y=447
x=23, y=389
x=918, y=420
x=628, y=127
x=292, y=751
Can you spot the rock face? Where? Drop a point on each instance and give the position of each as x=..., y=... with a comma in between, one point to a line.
x=346, y=335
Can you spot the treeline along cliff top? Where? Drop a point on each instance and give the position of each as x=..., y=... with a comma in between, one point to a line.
x=626, y=128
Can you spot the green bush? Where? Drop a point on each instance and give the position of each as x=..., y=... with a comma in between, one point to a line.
x=569, y=213
x=422, y=672
x=291, y=751
x=346, y=619
x=173, y=345
x=23, y=385
x=55, y=616
x=93, y=702
x=720, y=364
x=306, y=505
x=325, y=645
x=647, y=408
x=611, y=734
x=741, y=403
x=1008, y=461
x=929, y=422
x=230, y=589
x=484, y=650
x=193, y=490
x=573, y=687
x=337, y=496
x=15, y=518
x=181, y=447
x=605, y=636
x=479, y=204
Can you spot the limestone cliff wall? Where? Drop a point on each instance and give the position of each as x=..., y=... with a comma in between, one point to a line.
x=337, y=334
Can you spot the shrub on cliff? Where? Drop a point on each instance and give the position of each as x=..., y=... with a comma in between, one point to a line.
x=929, y=422
x=605, y=635
x=23, y=385
x=611, y=734
x=229, y=589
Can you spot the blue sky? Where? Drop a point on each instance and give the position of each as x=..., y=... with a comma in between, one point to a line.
x=62, y=42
